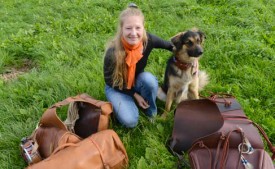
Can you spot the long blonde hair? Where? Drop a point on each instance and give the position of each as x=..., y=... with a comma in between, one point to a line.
x=120, y=71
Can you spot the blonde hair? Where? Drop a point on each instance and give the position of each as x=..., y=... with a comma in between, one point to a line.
x=120, y=72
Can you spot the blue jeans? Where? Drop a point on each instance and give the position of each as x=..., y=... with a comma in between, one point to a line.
x=124, y=106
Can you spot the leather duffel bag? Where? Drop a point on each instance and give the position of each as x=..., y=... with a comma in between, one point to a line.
x=102, y=150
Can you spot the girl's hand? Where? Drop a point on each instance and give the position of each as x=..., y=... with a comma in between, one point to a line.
x=141, y=102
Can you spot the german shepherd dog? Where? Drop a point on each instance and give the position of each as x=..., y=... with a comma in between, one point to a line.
x=182, y=79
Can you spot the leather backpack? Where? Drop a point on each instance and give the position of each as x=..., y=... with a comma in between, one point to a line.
x=87, y=115
x=52, y=132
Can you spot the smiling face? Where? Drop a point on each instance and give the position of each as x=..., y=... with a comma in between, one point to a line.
x=133, y=29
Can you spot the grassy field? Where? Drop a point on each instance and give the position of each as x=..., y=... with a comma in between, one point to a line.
x=53, y=49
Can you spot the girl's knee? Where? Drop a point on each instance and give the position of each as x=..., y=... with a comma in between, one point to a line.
x=128, y=115
x=148, y=80
x=129, y=122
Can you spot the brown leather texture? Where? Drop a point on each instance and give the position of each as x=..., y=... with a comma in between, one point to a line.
x=52, y=132
x=102, y=150
x=200, y=159
x=49, y=138
x=94, y=115
x=88, y=121
x=94, y=112
x=194, y=119
x=213, y=130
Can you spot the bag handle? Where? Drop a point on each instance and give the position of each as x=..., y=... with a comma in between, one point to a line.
x=201, y=145
x=106, y=107
x=213, y=97
x=81, y=97
x=226, y=147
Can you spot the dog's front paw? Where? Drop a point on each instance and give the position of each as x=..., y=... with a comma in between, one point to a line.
x=164, y=115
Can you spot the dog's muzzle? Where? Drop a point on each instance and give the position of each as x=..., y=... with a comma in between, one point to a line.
x=195, y=52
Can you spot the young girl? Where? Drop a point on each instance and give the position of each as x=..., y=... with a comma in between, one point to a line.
x=125, y=59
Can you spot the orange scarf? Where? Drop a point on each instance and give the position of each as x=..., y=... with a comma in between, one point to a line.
x=133, y=55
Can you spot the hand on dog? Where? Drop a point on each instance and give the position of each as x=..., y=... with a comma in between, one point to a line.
x=141, y=102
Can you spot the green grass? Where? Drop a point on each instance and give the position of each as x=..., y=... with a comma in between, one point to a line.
x=65, y=40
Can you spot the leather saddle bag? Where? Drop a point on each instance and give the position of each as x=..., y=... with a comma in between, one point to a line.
x=216, y=133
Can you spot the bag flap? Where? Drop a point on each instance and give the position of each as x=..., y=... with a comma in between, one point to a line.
x=194, y=119
x=234, y=105
x=50, y=119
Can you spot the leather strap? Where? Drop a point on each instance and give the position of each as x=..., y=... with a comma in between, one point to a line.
x=181, y=161
x=226, y=147
x=182, y=65
x=62, y=147
x=201, y=145
x=222, y=138
x=100, y=152
x=270, y=146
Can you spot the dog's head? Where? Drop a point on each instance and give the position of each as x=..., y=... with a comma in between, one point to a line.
x=189, y=43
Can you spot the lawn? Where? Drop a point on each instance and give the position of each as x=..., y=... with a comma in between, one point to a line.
x=53, y=49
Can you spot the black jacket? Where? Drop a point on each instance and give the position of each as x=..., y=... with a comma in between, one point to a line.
x=109, y=61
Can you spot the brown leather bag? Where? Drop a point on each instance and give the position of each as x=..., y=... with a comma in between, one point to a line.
x=87, y=115
x=102, y=150
x=217, y=134
x=52, y=132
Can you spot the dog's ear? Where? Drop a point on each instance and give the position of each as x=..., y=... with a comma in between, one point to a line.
x=176, y=40
x=202, y=36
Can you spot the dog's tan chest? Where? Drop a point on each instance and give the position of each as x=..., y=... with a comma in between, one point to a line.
x=183, y=78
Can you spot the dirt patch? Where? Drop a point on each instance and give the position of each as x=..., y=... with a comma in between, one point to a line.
x=12, y=72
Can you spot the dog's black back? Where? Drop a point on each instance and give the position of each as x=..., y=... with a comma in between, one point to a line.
x=170, y=70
